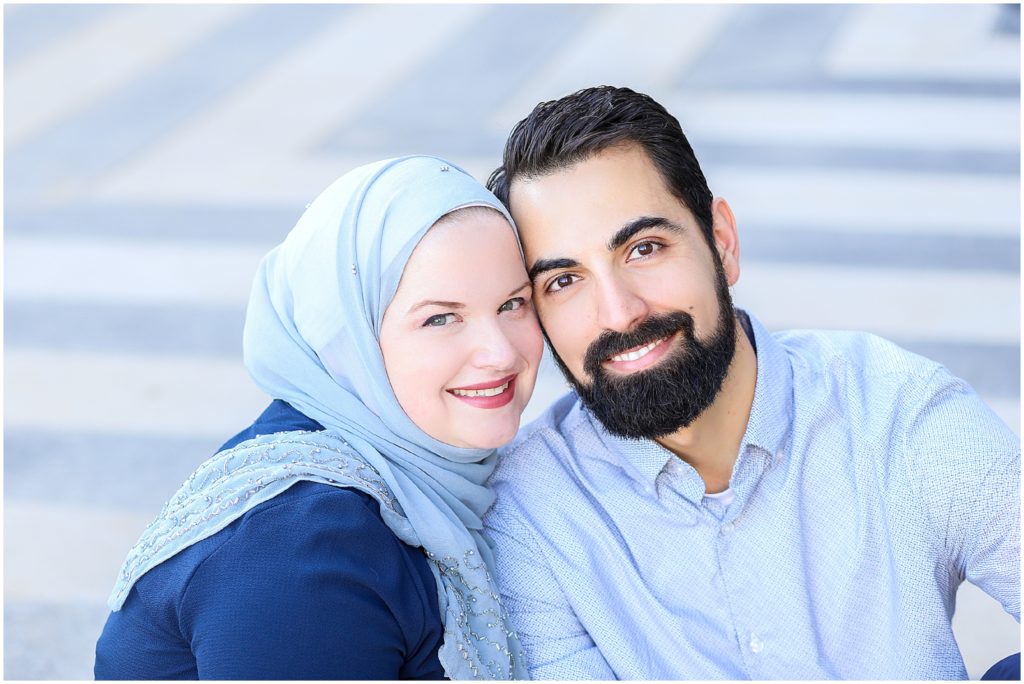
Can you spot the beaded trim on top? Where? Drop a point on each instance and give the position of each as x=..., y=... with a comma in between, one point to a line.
x=458, y=625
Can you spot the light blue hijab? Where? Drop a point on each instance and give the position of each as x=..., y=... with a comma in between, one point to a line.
x=312, y=339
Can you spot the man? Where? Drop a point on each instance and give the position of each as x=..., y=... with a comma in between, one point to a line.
x=714, y=500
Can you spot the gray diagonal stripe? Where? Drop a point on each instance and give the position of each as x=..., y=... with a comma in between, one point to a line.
x=33, y=462
x=30, y=28
x=125, y=328
x=443, y=107
x=121, y=125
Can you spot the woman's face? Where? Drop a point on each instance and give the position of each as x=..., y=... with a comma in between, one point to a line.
x=460, y=341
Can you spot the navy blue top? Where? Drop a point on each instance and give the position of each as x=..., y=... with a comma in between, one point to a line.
x=309, y=585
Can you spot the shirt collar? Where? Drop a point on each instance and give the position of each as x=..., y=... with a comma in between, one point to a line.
x=770, y=414
x=767, y=427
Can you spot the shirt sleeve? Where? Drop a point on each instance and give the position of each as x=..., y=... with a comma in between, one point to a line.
x=967, y=465
x=320, y=590
x=555, y=644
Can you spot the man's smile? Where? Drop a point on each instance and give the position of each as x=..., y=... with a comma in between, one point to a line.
x=641, y=357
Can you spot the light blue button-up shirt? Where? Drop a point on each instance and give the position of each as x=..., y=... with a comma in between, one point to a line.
x=869, y=484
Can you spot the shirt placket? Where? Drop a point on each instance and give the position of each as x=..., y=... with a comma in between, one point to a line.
x=680, y=486
x=751, y=628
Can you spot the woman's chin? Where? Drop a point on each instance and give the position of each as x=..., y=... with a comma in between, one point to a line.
x=494, y=438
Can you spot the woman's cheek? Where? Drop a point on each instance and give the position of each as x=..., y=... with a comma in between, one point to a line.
x=524, y=332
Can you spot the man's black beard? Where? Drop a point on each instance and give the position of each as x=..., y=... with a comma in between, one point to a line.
x=670, y=395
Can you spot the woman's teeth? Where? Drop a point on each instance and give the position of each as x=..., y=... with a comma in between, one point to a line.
x=638, y=353
x=492, y=392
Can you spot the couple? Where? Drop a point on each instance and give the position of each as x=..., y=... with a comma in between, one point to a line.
x=712, y=501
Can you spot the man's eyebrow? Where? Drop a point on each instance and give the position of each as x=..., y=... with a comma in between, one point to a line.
x=635, y=226
x=544, y=265
x=620, y=238
x=436, y=302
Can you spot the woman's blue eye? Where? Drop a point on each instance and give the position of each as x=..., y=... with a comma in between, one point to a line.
x=511, y=305
x=562, y=281
x=439, y=320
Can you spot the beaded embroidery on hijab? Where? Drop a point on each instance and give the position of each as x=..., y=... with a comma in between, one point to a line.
x=316, y=346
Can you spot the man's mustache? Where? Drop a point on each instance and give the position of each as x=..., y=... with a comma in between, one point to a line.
x=654, y=327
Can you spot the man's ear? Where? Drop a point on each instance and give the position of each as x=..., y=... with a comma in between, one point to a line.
x=727, y=240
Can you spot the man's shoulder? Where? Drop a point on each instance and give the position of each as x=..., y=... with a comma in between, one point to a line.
x=864, y=354
x=887, y=389
x=560, y=418
x=544, y=443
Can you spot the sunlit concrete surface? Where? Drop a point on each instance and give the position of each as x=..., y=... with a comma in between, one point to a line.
x=153, y=153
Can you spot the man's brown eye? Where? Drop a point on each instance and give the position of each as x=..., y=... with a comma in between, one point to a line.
x=560, y=282
x=644, y=249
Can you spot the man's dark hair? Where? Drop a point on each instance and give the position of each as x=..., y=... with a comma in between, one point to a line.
x=563, y=132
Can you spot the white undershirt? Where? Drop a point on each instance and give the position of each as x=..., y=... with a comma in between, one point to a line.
x=724, y=497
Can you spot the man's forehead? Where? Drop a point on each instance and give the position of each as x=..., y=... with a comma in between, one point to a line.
x=550, y=217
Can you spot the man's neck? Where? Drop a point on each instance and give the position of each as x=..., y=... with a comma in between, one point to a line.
x=711, y=443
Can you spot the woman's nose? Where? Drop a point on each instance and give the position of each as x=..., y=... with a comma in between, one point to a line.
x=493, y=348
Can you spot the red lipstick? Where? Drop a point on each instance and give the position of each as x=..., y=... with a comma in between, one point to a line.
x=487, y=402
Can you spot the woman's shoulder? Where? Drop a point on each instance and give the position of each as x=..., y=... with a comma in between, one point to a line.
x=308, y=585
x=294, y=528
x=314, y=564
x=345, y=518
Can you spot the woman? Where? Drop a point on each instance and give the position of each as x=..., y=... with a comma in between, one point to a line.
x=338, y=537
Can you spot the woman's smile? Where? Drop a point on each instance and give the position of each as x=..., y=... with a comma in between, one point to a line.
x=487, y=395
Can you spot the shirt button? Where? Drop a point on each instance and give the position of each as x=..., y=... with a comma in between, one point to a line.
x=727, y=528
x=756, y=645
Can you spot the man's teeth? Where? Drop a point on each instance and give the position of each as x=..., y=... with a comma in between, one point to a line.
x=638, y=353
x=494, y=391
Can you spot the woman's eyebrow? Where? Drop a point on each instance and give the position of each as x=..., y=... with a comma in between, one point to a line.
x=454, y=305
x=520, y=288
x=636, y=225
x=436, y=302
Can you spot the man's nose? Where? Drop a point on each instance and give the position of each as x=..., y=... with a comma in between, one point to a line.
x=619, y=307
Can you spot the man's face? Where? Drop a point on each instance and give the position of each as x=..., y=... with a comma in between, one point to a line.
x=634, y=302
